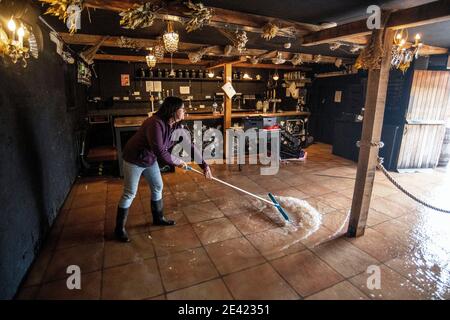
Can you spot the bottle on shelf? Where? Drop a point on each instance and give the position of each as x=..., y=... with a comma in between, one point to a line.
x=200, y=74
x=193, y=74
x=166, y=73
x=150, y=73
x=186, y=74
x=160, y=73
x=180, y=73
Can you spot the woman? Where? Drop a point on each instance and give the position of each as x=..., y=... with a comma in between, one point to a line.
x=151, y=145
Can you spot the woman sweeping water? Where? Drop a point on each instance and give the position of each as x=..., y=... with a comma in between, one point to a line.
x=148, y=147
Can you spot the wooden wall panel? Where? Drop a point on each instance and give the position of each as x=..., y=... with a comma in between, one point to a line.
x=429, y=108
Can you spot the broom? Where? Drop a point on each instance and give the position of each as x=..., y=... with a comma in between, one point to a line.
x=274, y=202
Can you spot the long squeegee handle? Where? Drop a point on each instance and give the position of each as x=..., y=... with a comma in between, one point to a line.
x=234, y=187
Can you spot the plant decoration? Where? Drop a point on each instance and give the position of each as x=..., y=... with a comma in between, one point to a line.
x=271, y=30
x=64, y=9
x=297, y=59
x=199, y=16
x=140, y=17
x=238, y=38
x=196, y=56
x=370, y=57
x=128, y=43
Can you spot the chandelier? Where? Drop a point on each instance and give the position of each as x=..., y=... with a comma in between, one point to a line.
x=150, y=59
x=17, y=42
x=404, y=53
x=170, y=38
x=159, y=49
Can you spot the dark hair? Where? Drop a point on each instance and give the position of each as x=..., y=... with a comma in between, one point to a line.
x=169, y=108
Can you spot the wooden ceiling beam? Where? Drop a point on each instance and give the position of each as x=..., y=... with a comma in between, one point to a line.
x=222, y=18
x=271, y=66
x=113, y=41
x=129, y=58
x=432, y=12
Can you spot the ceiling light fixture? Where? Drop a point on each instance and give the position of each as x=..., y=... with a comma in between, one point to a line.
x=171, y=38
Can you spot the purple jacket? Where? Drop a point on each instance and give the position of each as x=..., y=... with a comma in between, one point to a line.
x=153, y=142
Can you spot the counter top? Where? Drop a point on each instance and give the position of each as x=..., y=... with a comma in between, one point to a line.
x=269, y=114
x=137, y=121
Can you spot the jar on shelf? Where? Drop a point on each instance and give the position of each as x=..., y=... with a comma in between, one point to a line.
x=186, y=74
x=193, y=74
x=159, y=73
x=166, y=73
x=200, y=74
x=180, y=73
x=150, y=73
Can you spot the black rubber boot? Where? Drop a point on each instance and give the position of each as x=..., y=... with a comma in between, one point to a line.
x=121, y=219
x=158, y=214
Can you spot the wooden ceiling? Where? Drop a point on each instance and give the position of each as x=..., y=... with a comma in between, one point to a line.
x=310, y=39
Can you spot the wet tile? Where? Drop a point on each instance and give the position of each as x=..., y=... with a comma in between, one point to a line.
x=341, y=291
x=174, y=239
x=344, y=257
x=377, y=245
x=306, y=273
x=86, y=214
x=276, y=243
x=58, y=290
x=202, y=212
x=388, y=208
x=136, y=224
x=138, y=280
x=314, y=189
x=88, y=257
x=233, y=255
x=216, y=230
x=336, y=220
x=118, y=253
x=210, y=290
x=184, y=269
x=430, y=272
x=81, y=234
x=252, y=222
x=259, y=283
x=89, y=200
x=91, y=187
x=392, y=286
x=374, y=217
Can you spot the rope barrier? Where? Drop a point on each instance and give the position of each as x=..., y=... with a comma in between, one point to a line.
x=409, y=194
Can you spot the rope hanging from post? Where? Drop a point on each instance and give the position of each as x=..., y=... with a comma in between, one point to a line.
x=409, y=194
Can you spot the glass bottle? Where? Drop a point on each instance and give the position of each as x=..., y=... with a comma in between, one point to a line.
x=180, y=73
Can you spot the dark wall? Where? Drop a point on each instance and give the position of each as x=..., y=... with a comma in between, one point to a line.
x=38, y=157
x=107, y=84
x=324, y=111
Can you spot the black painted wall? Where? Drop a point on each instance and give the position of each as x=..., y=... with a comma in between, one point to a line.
x=38, y=156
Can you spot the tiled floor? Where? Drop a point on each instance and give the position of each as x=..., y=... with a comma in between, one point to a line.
x=224, y=247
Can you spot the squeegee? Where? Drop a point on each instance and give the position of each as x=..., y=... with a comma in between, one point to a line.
x=274, y=202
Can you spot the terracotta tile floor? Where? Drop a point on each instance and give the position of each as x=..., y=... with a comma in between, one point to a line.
x=226, y=246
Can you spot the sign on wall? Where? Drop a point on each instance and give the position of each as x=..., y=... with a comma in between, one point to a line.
x=125, y=80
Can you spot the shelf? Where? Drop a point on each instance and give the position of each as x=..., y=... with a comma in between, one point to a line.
x=192, y=79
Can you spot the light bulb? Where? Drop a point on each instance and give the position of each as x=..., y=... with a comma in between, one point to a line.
x=11, y=25
x=417, y=37
x=21, y=32
x=276, y=77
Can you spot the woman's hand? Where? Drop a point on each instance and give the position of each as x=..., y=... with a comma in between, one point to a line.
x=182, y=165
x=207, y=172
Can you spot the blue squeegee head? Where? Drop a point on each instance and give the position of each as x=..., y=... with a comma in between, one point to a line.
x=278, y=206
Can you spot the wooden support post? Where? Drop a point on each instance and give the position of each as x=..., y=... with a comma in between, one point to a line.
x=371, y=132
x=227, y=107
